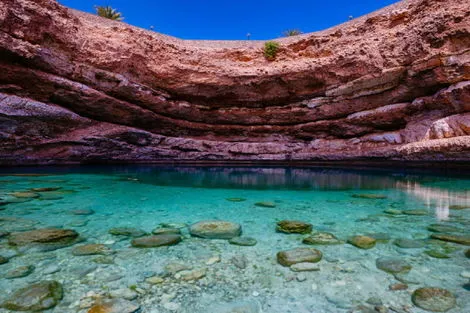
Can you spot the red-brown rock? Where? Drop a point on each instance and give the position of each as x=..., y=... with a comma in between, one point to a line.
x=394, y=84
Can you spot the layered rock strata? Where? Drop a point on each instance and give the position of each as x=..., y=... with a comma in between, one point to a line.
x=393, y=85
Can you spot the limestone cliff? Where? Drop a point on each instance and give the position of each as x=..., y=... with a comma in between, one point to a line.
x=394, y=85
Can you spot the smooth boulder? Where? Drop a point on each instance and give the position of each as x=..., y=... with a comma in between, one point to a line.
x=439, y=228
x=406, y=243
x=44, y=236
x=127, y=232
x=156, y=241
x=92, y=249
x=294, y=227
x=19, y=272
x=463, y=240
x=243, y=241
x=433, y=299
x=363, y=242
x=392, y=265
x=215, y=229
x=321, y=238
x=298, y=255
x=36, y=297
x=166, y=231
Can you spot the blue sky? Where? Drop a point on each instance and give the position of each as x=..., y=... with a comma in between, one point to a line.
x=233, y=19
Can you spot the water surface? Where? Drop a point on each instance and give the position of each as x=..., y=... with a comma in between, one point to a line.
x=332, y=200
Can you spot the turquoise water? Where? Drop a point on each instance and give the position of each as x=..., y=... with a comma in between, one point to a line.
x=143, y=197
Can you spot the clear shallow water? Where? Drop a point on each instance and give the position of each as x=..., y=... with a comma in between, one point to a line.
x=145, y=196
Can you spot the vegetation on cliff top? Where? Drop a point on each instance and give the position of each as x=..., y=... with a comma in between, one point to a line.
x=109, y=12
x=270, y=50
x=291, y=32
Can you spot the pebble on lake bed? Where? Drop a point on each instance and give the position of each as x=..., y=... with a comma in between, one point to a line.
x=243, y=241
x=156, y=241
x=265, y=204
x=363, y=242
x=92, y=249
x=114, y=306
x=298, y=255
x=294, y=227
x=321, y=238
x=36, y=297
x=215, y=229
x=392, y=265
x=433, y=299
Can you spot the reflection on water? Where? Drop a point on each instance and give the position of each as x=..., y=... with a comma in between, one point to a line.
x=441, y=199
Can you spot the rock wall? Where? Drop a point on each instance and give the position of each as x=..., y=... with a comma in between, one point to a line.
x=392, y=85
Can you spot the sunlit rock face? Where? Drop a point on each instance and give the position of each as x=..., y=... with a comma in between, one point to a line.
x=392, y=85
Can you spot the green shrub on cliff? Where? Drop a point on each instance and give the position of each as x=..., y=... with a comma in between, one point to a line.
x=291, y=32
x=270, y=50
x=109, y=12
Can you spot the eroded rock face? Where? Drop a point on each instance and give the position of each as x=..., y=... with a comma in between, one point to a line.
x=393, y=85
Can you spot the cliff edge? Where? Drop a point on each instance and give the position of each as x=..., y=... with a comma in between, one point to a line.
x=392, y=85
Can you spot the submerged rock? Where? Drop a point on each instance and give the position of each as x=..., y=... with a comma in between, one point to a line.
x=437, y=254
x=114, y=306
x=321, y=238
x=51, y=238
x=195, y=274
x=3, y=260
x=45, y=189
x=393, y=212
x=439, y=228
x=299, y=255
x=266, y=204
x=392, y=265
x=25, y=194
x=92, y=249
x=369, y=196
x=166, y=230
x=156, y=241
x=415, y=212
x=459, y=206
x=243, y=241
x=214, y=229
x=82, y=212
x=409, y=243
x=293, y=227
x=463, y=240
x=236, y=199
x=21, y=271
x=363, y=242
x=433, y=299
x=40, y=296
x=467, y=253
x=127, y=232
x=173, y=225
